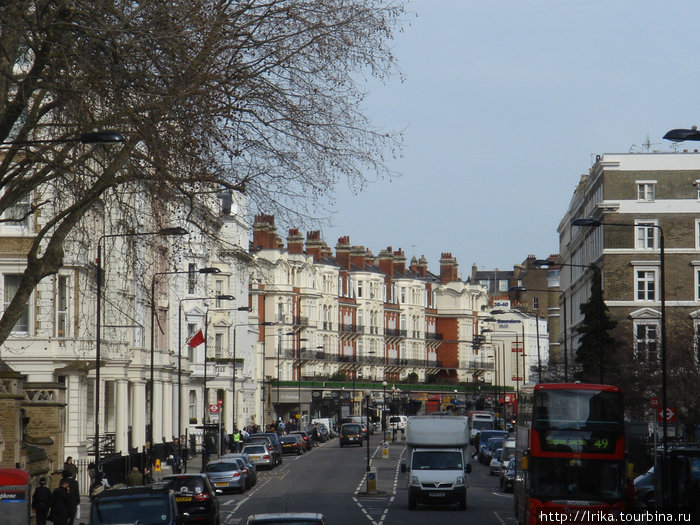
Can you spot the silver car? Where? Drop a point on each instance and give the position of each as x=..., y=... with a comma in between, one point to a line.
x=260, y=454
x=226, y=474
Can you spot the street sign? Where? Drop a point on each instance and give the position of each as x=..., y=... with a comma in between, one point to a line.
x=654, y=402
x=214, y=408
x=670, y=415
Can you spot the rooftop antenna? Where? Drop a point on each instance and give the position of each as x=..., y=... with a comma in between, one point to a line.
x=645, y=146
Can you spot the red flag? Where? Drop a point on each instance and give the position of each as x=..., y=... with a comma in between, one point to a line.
x=196, y=340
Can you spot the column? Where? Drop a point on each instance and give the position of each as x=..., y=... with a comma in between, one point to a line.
x=138, y=414
x=167, y=410
x=228, y=411
x=121, y=429
x=158, y=412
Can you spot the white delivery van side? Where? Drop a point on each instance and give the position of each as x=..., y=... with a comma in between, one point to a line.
x=329, y=423
x=438, y=460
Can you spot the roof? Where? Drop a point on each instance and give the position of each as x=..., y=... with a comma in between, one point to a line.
x=133, y=491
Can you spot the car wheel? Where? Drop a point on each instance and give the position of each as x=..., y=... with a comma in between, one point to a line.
x=341, y=445
x=411, y=501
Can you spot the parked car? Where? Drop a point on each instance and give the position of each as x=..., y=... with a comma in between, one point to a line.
x=252, y=469
x=325, y=434
x=495, y=464
x=291, y=518
x=351, y=434
x=227, y=474
x=508, y=476
x=135, y=505
x=292, y=444
x=275, y=445
x=644, y=485
x=484, y=437
x=195, y=496
x=486, y=452
x=260, y=454
x=308, y=443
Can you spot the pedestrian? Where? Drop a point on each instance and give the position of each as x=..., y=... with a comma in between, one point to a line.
x=236, y=440
x=174, y=450
x=74, y=495
x=135, y=478
x=183, y=447
x=41, y=502
x=69, y=466
x=61, y=504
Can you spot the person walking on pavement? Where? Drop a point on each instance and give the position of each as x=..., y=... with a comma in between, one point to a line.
x=69, y=466
x=174, y=449
x=73, y=495
x=236, y=440
x=61, y=504
x=41, y=502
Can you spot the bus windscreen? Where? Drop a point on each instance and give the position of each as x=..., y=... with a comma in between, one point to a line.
x=591, y=410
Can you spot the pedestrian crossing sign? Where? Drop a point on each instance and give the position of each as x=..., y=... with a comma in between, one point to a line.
x=156, y=468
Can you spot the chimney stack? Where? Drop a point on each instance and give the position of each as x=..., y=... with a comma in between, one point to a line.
x=342, y=252
x=400, y=261
x=386, y=261
x=295, y=242
x=357, y=256
x=448, y=268
x=264, y=232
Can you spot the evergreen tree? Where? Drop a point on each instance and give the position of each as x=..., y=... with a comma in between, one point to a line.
x=596, y=340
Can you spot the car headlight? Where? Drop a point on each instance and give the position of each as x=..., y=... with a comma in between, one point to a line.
x=414, y=480
x=460, y=481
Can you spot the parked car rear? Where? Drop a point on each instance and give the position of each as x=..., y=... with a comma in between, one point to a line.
x=227, y=474
x=135, y=504
x=195, y=497
x=292, y=444
x=260, y=454
x=351, y=434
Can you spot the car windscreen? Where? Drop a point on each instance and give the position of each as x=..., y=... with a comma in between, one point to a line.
x=254, y=449
x=149, y=510
x=221, y=467
x=186, y=483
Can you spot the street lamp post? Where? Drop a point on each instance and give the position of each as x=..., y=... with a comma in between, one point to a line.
x=384, y=383
x=517, y=346
x=595, y=223
x=98, y=311
x=233, y=379
x=179, y=353
x=599, y=280
x=206, y=340
x=208, y=270
x=522, y=289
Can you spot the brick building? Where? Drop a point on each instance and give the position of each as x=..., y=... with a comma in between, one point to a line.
x=638, y=196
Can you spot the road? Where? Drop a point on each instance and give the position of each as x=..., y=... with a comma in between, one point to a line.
x=331, y=480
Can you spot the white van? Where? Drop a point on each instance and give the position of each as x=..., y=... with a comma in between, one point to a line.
x=398, y=422
x=328, y=423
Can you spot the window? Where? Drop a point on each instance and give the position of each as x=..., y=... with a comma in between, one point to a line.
x=646, y=191
x=646, y=235
x=697, y=283
x=11, y=286
x=219, y=345
x=62, y=306
x=191, y=278
x=697, y=234
x=403, y=295
x=646, y=342
x=191, y=329
x=645, y=285
x=192, y=408
x=218, y=290
x=359, y=288
x=536, y=303
x=18, y=212
x=503, y=285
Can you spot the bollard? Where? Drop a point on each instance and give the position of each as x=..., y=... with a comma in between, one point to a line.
x=403, y=434
x=372, y=480
x=385, y=450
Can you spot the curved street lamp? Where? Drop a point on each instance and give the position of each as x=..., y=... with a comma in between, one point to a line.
x=596, y=223
x=176, y=230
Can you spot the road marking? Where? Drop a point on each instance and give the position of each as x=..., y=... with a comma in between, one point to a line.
x=379, y=504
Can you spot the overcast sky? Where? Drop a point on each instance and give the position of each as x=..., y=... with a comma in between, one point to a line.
x=504, y=105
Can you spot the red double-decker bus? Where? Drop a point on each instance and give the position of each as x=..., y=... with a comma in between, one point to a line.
x=570, y=452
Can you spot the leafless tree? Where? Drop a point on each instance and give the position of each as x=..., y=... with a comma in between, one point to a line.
x=261, y=96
